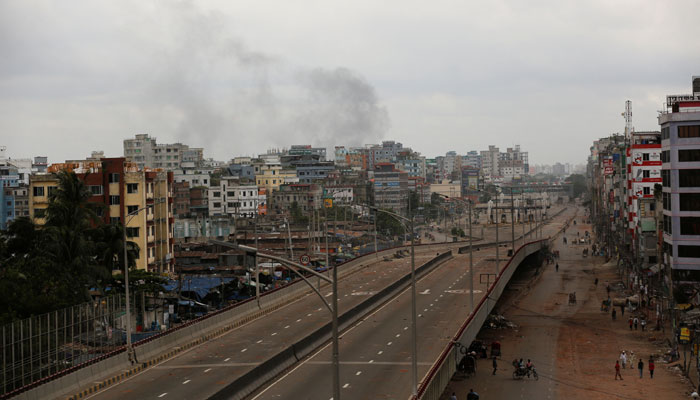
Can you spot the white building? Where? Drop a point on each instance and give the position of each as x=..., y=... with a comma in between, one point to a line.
x=144, y=151
x=232, y=199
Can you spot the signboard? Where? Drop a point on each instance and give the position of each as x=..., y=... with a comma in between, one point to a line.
x=685, y=335
x=608, y=171
x=328, y=203
x=305, y=259
x=671, y=100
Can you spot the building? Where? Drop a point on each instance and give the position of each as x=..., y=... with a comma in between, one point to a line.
x=9, y=183
x=313, y=171
x=146, y=153
x=140, y=199
x=447, y=188
x=270, y=175
x=472, y=159
x=489, y=163
x=680, y=157
x=390, y=187
x=307, y=197
x=234, y=200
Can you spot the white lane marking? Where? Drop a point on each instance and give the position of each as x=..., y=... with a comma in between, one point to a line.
x=227, y=359
x=308, y=315
x=299, y=320
x=244, y=350
x=379, y=352
x=425, y=309
x=405, y=328
x=398, y=334
x=358, y=373
x=163, y=394
x=319, y=309
x=440, y=295
x=371, y=361
x=388, y=344
x=207, y=370
x=186, y=382
x=431, y=304
x=286, y=327
x=346, y=386
x=420, y=315
x=274, y=333
x=329, y=294
x=259, y=341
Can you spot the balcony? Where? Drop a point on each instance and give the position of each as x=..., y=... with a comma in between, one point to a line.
x=149, y=195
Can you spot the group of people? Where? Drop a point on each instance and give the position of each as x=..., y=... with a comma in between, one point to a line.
x=472, y=395
x=622, y=361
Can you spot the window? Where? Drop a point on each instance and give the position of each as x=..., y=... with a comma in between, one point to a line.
x=689, y=155
x=99, y=211
x=645, y=174
x=113, y=178
x=131, y=209
x=230, y=205
x=51, y=190
x=115, y=220
x=690, y=225
x=114, y=200
x=666, y=178
x=230, y=194
x=132, y=232
x=689, y=251
x=688, y=201
x=38, y=191
x=216, y=194
x=646, y=190
x=217, y=205
x=645, y=156
x=688, y=177
x=665, y=133
x=95, y=190
x=689, y=131
x=132, y=187
x=39, y=212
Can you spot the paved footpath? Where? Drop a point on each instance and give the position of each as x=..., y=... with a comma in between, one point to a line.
x=574, y=347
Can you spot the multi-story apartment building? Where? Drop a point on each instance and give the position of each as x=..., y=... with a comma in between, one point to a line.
x=307, y=197
x=270, y=175
x=140, y=199
x=390, y=187
x=232, y=199
x=146, y=153
x=193, y=177
x=472, y=159
x=313, y=171
x=489, y=163
x=643, y=173
x=680, y=146
x=9, y=182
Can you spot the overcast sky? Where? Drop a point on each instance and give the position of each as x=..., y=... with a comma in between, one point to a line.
x=240, y=77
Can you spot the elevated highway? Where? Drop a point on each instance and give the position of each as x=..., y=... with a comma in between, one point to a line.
x=374, y=349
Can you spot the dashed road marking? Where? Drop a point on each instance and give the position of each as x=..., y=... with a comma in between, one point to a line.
x=186, y=382
x=163, y=394
x=286, y=327
x=244, y=350
x=389, y=344
x=227, y=359
x=380, y=352
x=358, y=373
x=259, y=341
x=346, y=386
x=207, y=370
x=299, y=320
x=274, y=333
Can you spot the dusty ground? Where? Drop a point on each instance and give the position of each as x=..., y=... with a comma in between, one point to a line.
x=574, y=347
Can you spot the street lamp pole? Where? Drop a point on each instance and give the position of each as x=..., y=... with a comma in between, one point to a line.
x=512, y=222
x=332, y=308
x=498, y=244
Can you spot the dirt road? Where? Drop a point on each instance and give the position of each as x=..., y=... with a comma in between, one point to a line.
x=573, y=346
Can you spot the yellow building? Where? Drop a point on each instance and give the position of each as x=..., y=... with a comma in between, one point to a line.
x=141, y=199
x=270, y=177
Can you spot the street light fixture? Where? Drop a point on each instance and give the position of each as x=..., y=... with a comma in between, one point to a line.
x=332, y=308
x=414, y=345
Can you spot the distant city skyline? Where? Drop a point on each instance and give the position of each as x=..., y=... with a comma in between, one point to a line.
x=238, y=78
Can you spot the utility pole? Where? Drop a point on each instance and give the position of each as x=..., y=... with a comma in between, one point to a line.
x=512, y=222
x=498, y=244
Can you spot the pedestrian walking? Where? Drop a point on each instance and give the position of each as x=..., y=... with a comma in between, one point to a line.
x=636, y=322
x=640, y=367
x=622, y=310
x=623, y=358
x=557, y=267
x=472, y=395
x=453, y=397
x=644, y=324
x=651, y=367
x=617, y=370
x=630, y=321
x=614, y=314
x=596, y=282
x=495, y=365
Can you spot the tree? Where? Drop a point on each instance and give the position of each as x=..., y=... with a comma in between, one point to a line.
x=388, y=224
x=579, y=183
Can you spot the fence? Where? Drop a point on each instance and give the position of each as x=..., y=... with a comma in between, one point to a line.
x=39, y=346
